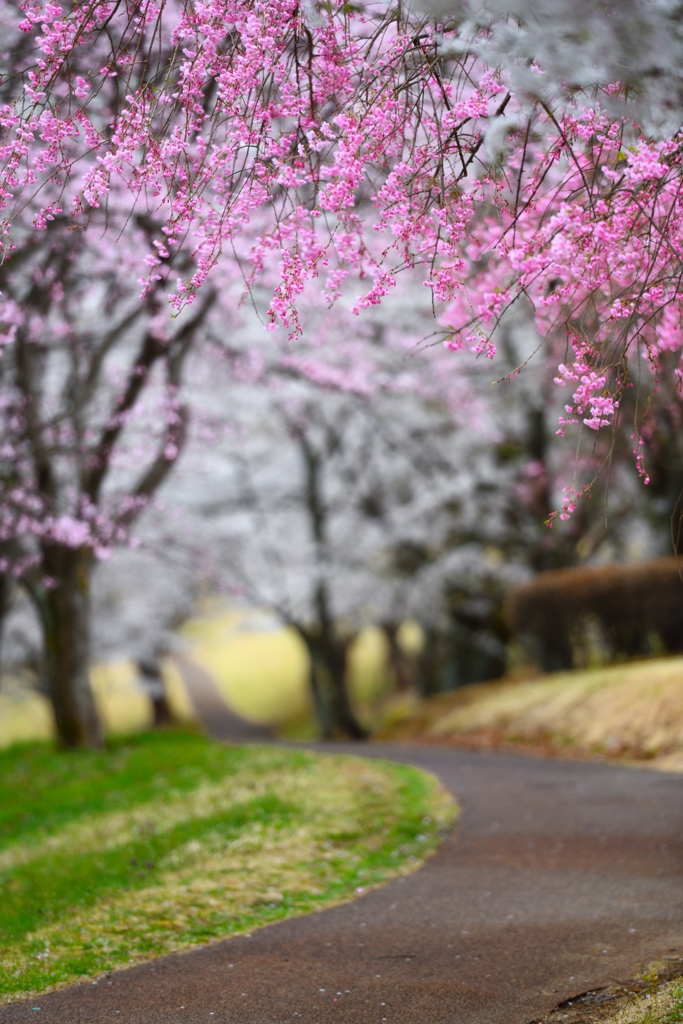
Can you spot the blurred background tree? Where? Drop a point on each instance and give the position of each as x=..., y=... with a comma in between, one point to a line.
x=369, y=475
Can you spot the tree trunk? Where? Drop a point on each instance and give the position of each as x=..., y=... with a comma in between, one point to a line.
x=400, y=663
x=5, y=601
x=320, y=692
x=431, y=662
x=154, y=687
x=337, y=662
x=63, y=601
x=329, y=687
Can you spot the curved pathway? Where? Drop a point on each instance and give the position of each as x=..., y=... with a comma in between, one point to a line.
x=559, y=877
x=209, y=704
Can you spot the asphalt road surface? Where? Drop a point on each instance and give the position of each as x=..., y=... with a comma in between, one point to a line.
x=558, y=878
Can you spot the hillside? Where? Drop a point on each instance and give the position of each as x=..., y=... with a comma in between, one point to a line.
x=632, y=711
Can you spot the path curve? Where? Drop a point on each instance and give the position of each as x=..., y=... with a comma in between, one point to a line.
x=219, y=720
x=558, y=878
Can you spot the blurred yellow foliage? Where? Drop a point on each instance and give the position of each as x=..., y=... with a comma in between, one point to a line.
x=261, y=668
x=24, y=715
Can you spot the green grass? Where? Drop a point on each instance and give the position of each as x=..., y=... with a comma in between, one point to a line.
x=661, y=1004
x=168, y=840
x=673, y=1013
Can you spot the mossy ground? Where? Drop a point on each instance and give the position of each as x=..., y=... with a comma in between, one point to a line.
x=167, y=840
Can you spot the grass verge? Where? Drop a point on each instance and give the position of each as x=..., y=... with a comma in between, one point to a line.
x=655, y=996
x=167, y=841
x=664, y=1006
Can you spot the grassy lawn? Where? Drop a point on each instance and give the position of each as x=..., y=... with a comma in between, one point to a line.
x=168, y=840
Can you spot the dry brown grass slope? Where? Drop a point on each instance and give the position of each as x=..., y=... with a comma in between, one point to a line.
x=632, y=711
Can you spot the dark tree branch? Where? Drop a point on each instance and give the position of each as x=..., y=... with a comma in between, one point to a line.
x=151, y=350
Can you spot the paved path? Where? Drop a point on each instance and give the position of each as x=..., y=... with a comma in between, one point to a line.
x=559, y=877
x=219, y=720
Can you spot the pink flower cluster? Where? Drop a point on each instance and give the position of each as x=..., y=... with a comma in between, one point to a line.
x=225, y=113
x=589, y=230
x=332, y=139
x=590, y=392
